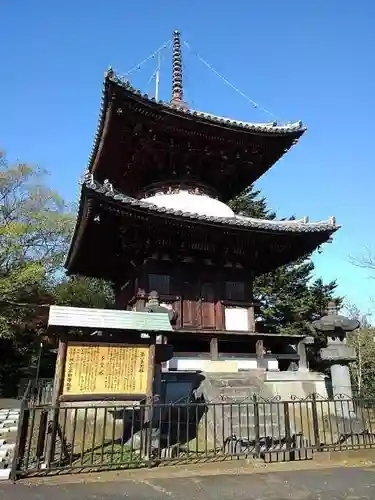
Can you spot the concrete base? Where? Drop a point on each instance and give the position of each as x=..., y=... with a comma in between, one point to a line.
x=5, y=474
x=300, y=384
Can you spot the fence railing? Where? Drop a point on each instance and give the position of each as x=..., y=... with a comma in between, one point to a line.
x=40, y=390
x=83, y=436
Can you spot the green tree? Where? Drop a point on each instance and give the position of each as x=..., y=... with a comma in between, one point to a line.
x=35, y=227
x=35, y=230
x=84, y=292
x=289, y=298
x=363, y=342
x=363, y=368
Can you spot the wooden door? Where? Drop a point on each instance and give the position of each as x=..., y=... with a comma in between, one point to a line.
x=207, y=306
x=190, y=298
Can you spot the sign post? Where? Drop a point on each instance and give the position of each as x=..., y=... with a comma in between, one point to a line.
x=95, y=363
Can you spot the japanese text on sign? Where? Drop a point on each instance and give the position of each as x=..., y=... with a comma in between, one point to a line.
x=105, y=369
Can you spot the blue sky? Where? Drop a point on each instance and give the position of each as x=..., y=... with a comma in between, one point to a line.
x=309, y=60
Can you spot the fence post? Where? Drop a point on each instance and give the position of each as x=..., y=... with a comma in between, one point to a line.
x=256, y=425
x=288, y=440
x=149, y=431
x=315, y=422
x=42, y=432
x=22, y=429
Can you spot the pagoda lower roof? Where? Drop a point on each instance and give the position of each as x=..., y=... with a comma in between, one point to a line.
x=104, y=197
x=140, y=141
x=238, y=221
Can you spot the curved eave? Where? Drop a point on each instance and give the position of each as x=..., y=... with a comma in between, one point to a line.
x=105, y=193
x=293, y=130
x=81, y=221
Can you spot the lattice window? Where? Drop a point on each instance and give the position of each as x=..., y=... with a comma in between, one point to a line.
x=235, y=290
x=159, y=283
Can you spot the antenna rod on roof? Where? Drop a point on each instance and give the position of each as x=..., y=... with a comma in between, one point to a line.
x=177, y=88
x=157, y=76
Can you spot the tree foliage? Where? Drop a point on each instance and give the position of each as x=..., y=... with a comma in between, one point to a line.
x=363, y=342
x=363, y=369
x=35, y=229
x=84, y=292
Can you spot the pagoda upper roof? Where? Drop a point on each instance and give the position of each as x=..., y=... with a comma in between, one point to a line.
x=184, y=111
x=241, y=151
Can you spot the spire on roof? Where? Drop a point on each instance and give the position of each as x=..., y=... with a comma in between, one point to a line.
x=177, y=88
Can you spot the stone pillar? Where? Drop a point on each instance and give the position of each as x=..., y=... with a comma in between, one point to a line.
x=338, y=354
x=303, y=365
x=260, y=352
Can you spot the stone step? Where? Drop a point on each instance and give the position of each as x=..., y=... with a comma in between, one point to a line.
x=9, y=422
x=249, y=413
x=9, y=418
x=236, y=375
x=249, y=392
x=250, y=431
x=244, y=425
x=6, y=430
x=237, y=413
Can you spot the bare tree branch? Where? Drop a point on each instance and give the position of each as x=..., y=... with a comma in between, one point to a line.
x=366, y=261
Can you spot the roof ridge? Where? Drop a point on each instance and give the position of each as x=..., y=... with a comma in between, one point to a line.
x=111, y=75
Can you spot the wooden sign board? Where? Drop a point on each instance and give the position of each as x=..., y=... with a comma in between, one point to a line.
x=105, y=369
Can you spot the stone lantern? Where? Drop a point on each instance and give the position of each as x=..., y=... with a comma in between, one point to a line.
x=337, y=353
x=163, y=351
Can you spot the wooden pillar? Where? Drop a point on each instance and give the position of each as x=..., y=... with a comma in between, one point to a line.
x=251, y=318
x=259, y=350
x=151, y=372
x=149, y=409
x=251, y=309
x=57, y=390
x=214, y=348
x=164, y=340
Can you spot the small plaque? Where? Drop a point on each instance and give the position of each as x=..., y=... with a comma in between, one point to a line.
x=105, y=369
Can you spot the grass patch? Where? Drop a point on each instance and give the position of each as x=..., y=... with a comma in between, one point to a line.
x=109, y=454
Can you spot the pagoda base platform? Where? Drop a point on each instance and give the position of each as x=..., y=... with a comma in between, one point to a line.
x=178, y=385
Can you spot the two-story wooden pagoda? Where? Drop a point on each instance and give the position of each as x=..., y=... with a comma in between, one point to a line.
x=153, y=214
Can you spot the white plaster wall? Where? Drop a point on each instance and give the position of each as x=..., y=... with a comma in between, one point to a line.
x=192, y=203
x=236, y=319
x=272, y=364
x=194, y=363
x=185, y=364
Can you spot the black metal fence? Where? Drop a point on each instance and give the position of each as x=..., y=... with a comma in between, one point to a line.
x=77, y=437
x=40, y=390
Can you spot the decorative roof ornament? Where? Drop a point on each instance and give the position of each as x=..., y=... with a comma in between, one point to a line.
x=108, y=186
x=177, y=85
x=333, y=321
x=109, y=73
